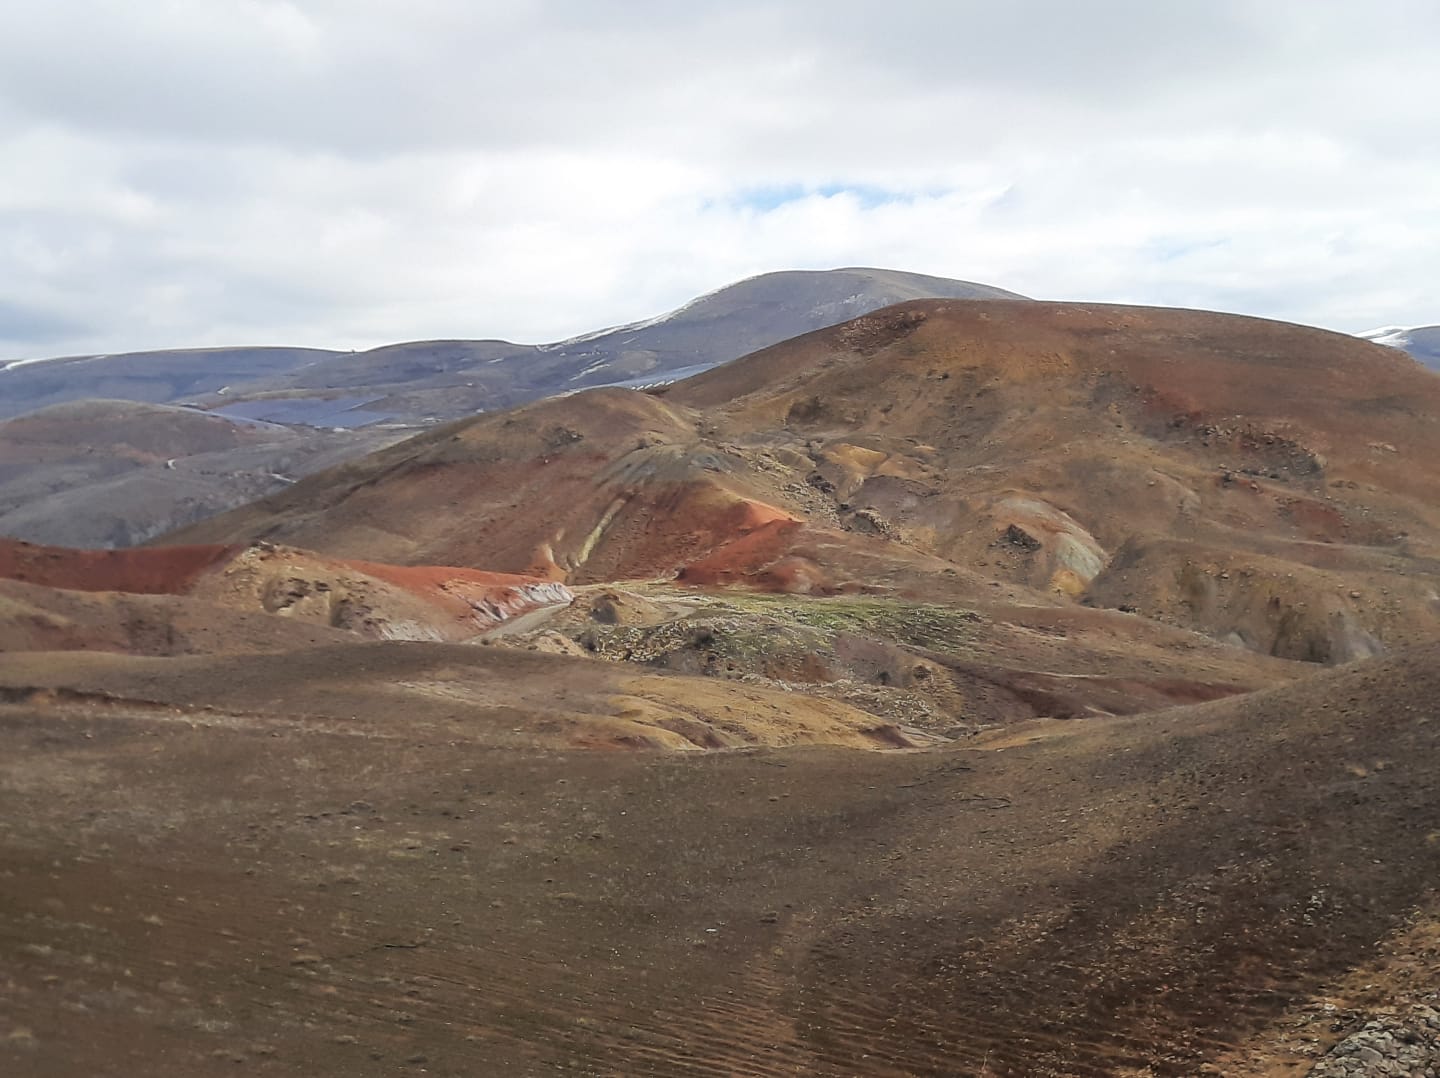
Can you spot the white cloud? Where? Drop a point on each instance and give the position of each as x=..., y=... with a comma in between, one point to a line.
x=350, y=172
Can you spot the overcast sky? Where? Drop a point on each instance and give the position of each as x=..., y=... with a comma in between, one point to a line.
x=346, y=173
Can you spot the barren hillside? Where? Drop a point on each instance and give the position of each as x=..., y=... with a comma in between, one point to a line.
x=291, y=876
x=974, y=688
x=1265, y=483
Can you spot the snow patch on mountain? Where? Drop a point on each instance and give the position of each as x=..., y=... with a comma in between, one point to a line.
x=14, y=363
x=1391, y=336
x=636, y=327
x=1422, y=342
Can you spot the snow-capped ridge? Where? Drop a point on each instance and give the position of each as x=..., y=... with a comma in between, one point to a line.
x=1390, y=336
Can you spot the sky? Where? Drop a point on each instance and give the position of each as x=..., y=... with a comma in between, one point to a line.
x=348, y=173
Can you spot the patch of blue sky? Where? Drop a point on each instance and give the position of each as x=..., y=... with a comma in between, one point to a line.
x=1173, y=248
x=766, y=199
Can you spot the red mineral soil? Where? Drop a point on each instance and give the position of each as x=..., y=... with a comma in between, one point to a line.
x=404, y=602
x=1025, y=443
x=171, y=570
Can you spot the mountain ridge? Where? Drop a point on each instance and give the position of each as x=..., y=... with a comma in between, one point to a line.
x=309, y=397
x=187, y=375
x=1422, y=342
x=1235, y=473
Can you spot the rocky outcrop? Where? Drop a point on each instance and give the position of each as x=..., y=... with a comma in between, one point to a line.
x=1405, y=1046
x=389, y=602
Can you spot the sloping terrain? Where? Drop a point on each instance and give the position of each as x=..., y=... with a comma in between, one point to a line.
x=96, y=473
x=108, y=473
x=385, y=602
x=174, y=376
x=502, y=698
x=417, y=379
x=38, y=618
x=946, y=670
x=1265, y=483
x=448, y=379
x=934, y=671
x=1422, y=342
x=1051, y=567
x=306, y=878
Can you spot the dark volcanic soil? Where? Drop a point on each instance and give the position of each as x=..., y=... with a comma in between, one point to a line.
x=186, y=893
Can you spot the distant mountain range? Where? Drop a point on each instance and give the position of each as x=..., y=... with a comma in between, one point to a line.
x=1422, y=342
x=426, y=381
x=130, y=464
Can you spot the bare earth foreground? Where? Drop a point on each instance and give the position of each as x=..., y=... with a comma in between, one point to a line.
x=191, y=891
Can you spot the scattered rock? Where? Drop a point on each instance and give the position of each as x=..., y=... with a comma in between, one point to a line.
x=1392, y=1045
x=1018, y=537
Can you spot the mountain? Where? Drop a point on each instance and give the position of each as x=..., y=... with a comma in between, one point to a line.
x=1267, y=484
x=972, y=687
x=424, y=380
x=174, y=376
x=115, y=473
x=296, y=405
x=1422, y=342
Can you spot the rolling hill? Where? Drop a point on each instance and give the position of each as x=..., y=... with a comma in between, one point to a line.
x=448, y=379
x=413, y=381
x=976, y=687
x=115, y=473
x=252, y=863
x=160, y=377
x=304, y=409
x=1262, y=482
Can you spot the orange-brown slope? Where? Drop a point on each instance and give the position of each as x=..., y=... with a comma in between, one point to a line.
x=171, y=570
x=601, y=485
x=1028, y=443
x=1264, y=482
x=374, y=893
x=376, y=600
x=38, y=618
x=1301, y=435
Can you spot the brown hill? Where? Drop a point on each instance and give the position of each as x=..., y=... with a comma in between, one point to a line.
x=348, y=856
x=319, y=407
x=379, y=601
x=262, y=862
x=1266, y=483
x=493, y=696
x=38, y=618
